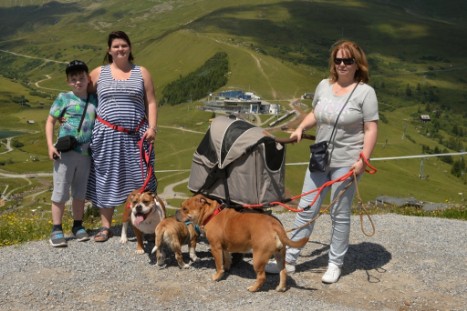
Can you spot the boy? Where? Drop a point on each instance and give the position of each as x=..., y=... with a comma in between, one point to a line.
x=71, y=168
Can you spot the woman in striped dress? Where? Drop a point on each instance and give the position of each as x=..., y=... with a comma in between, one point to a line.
x=126, y=116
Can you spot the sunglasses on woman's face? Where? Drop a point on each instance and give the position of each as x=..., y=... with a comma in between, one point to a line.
x=347, y=61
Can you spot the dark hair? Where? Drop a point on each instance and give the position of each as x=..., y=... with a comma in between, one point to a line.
x=117, y=35
x=352, y=50
x=75, y=67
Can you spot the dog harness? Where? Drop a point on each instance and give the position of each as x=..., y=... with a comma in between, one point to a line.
x=196, y=227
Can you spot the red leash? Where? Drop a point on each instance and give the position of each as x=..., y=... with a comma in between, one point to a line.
x=145, y=157
x=371, y=170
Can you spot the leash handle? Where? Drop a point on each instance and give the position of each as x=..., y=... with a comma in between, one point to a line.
x=372, y=169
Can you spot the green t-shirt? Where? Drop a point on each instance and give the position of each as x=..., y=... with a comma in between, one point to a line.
x=70, y=108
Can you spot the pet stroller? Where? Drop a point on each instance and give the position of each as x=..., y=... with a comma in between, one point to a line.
x=238, y=163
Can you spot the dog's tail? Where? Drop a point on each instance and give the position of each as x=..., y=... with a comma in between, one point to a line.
x=296, y=244
x=158, y=241
x=285, y=239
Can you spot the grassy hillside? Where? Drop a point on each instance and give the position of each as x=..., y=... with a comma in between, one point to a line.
x=404, y=45
x=278, y=49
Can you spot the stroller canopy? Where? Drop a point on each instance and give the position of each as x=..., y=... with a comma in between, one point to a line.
x=238, y=162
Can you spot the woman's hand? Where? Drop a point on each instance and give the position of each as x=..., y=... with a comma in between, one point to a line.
x=359, y=167
x=297, y=134
x=306, y=124
x=150, y=135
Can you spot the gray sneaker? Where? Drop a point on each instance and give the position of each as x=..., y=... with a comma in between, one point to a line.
x=57, y=239
x=80, y=234
x=273, y=268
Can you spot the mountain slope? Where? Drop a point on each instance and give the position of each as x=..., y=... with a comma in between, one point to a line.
x=277, y=49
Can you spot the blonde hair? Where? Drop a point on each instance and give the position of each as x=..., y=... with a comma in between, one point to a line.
x=350, y=49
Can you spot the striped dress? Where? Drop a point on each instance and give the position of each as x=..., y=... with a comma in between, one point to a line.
x=117, y=166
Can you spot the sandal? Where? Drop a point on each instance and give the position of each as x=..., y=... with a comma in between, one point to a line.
x=103, y=235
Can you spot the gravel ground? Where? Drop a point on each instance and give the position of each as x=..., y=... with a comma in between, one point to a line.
x=411, y=263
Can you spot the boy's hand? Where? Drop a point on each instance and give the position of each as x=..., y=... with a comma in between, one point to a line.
x=53, y=153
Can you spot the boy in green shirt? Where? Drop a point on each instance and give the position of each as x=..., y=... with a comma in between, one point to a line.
x=71, y=168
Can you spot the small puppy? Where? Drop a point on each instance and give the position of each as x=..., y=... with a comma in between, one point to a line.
x=145, y=211
x=174, y=234
x=229, y=231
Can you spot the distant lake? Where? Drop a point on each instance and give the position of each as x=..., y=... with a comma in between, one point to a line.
x=5, y=134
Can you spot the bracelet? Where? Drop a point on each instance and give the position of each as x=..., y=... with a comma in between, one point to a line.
x=154, y=128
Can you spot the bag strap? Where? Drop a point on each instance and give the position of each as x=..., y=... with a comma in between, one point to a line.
x=84, y=113
x=82, y=116
x=342, y=109
x=331, y=138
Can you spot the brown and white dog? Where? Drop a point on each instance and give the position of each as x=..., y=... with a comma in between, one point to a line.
x=174, y=234
x=229, y=231
x=145, y=211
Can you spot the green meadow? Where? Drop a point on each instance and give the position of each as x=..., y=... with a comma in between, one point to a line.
x=277, y=49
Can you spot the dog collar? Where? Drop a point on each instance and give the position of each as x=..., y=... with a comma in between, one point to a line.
x=197, y=228
x=218, y=209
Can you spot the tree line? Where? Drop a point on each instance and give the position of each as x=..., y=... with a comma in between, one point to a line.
x=209, y=77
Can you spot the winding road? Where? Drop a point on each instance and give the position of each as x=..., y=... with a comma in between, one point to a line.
x=169, y=192
x=7, y=145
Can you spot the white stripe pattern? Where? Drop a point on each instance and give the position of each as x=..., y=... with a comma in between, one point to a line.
x=116, y=169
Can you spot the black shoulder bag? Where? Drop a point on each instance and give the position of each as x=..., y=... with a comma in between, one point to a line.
x=320, y=156
x=69, y=142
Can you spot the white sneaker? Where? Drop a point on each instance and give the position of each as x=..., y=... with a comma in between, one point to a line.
x=273, y=268
x=332, y=274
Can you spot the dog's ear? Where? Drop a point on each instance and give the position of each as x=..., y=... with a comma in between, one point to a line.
x=152, y=194
x=179, y=216
x=133, y=196
x=159, y=201
x=206, y=201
